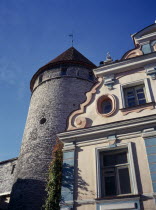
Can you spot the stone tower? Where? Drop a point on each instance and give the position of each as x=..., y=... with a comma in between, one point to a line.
x=57, y=90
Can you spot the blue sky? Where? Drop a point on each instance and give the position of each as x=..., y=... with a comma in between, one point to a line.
x=33, y=32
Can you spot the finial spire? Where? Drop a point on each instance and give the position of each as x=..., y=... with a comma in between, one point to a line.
x=108, y=57
x=72, y=38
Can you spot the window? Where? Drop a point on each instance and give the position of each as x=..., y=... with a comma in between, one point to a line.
x=149, y=47
x=40, y=79
x=115, y=176
x=115, y=171
x=106, y=106
x=91, y=75
x=134, y=95
x=13, y=168
x=146, y=49
x=153, y=45
x=63, y=71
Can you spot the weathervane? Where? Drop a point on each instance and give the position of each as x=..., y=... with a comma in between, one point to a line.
x=72, y=38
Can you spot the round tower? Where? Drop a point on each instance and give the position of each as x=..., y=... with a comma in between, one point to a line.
x=57, y=89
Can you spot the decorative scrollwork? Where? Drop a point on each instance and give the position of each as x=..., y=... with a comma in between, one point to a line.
x=81, y=122
x=75, y=114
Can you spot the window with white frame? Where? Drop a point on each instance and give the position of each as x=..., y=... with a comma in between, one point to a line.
x=116, y=169
x=148, y=47
x=135, y=93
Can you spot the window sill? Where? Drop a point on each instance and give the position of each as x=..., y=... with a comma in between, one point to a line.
x=137, y=108
x=118, y=197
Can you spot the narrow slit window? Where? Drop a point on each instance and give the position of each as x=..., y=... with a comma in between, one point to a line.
x=40, y=79
x=63, y=71
x=13, y=169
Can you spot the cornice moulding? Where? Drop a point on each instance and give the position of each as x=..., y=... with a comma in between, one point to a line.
x=125, y=65
x=107, y=129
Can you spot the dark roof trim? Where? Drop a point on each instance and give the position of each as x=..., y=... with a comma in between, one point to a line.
x=9, y=160
x=134, y=35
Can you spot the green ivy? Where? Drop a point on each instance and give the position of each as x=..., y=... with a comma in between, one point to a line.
x=53, y=187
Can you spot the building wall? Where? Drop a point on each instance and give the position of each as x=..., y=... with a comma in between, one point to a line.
x=87, y=176
x=52, y=100
x=121, y=79
x=7, y=175
x=85, y=168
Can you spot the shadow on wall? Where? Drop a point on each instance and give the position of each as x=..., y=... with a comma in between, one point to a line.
x=27, y=194
x=72, y=181
x=81, y=185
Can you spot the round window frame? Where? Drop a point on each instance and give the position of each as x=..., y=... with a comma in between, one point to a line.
x=100, y=100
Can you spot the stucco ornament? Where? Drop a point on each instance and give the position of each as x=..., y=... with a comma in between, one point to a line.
x=99, y=105
x=75, y=120
x=81, y=122
x=133, y=53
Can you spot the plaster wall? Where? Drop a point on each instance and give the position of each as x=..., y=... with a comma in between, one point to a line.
x=121, y=79
x=86, y=171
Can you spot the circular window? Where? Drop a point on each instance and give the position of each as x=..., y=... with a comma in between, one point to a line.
x=106, y=105
x=43, y=120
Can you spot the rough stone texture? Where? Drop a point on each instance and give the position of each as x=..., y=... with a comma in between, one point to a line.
x=53, y=99
x=6, y=175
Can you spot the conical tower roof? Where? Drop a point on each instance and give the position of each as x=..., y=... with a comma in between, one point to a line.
x=70, y=56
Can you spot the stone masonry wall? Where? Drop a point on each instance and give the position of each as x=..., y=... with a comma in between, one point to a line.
x=7, y=172
x=51, y=103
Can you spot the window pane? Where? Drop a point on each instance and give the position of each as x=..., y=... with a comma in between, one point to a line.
x=131, y=102
x=140, y=95
x=130, y=93
x=142, y=101
x=146, y=48
x=109, y=160
x=106, y=106
x=130, y=97
x=124, y=180
x=110, y=186
x=139, y=90
x=119, y=157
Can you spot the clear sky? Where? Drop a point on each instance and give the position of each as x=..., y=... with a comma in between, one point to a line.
x=33, y=32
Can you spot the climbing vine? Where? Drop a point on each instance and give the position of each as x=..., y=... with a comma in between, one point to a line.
x=53, y=187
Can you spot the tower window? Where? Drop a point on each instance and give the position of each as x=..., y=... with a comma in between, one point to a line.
x=90, y=75
x=42, y=121
x=13, y=168
x=40, y=79
x=77, y=73
x=63, y=71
